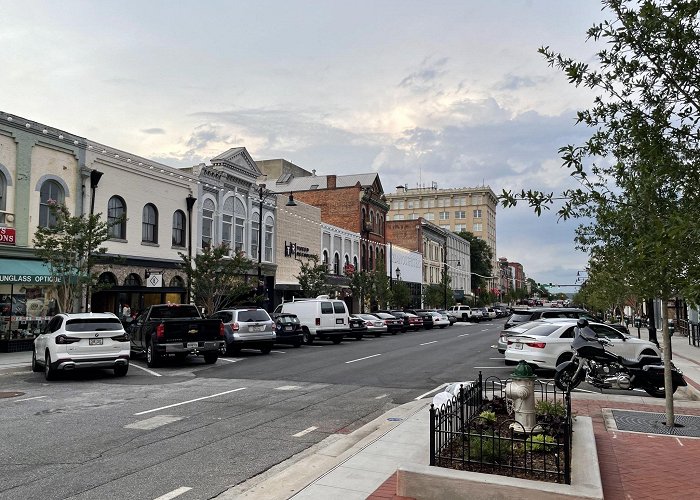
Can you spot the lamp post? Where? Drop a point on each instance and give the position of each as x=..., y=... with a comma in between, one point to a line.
x=95, y=176
x=263, y=194
x=190, y=204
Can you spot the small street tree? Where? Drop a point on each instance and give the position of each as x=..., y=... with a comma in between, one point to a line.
x=382, y=289
x=217, y=279
x=400, y=295
x=69, y=247
x=313, y=277
x=361, y=284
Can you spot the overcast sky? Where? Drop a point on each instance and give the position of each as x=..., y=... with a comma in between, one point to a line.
x=451, y=92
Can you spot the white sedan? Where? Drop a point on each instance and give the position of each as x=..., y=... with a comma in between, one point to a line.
x=83, y=340
x=549, y=344
x=440, y=319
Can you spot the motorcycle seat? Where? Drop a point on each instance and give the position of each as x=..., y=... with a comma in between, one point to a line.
x=642, y=361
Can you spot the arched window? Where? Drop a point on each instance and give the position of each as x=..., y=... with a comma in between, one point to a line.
x=149, y=226
x=132, y=280
x=208, y=222
x=347, y=260
x=336, y=264
x=371, y=220
x=363, y=224
x=178, y=228
x=107, y=279
x=177, y=282
x=116, y=218
x=51, y=193
x=371, y=259
x=254, y=234
x=227, y=222
x=354, y=263
x=269, y=230
x=363, y=257
x=325, y=258
x=239, y=222
x=3, y=195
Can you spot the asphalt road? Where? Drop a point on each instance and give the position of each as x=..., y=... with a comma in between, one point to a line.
x=190, y=431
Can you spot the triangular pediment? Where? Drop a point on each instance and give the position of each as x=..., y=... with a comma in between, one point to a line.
x=237, y=160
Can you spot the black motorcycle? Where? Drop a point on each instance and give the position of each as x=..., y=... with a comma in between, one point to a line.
x=603, y=369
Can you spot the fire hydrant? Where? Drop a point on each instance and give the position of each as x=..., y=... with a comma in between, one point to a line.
x=521, y=389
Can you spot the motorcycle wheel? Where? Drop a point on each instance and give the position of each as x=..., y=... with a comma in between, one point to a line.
x=564, y=379
x=658, y=392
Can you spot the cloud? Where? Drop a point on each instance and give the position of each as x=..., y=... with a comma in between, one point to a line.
x=517, y=82
x=154, y=131
x=422, y=78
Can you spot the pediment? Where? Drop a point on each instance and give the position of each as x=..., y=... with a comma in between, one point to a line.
x=238, y=161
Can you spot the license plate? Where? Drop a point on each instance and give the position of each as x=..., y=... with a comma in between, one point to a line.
x=288, y=328
x=192, y=345
x=94, y=341
x=257, y=328
x=517, y=346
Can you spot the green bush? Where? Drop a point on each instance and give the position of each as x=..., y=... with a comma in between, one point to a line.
x=540, y=443
x=550, y=408
x=487, y=417
x=489, y=448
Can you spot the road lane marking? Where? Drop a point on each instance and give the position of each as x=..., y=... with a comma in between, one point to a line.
x=174, y=493
x=288, y=387
x=304, y=432
x=440, y=387
x=145, y=369
x=279, y=352
x=463, y=335
x=190, y=401
x=153, y=422
x=382, y=396
x=235, y=360
x=433, y=342
x=27, y=399
x=360, y=359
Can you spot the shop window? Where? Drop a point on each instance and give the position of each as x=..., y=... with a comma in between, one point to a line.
x=178, y=228
x=149, y=224
x=51, y=193
x=116, y=218
x=132, y=280
x=177, y=282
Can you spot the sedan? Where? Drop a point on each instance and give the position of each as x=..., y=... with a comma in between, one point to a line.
x=393, y=324
x=415, y=322
x=451, y=317
x=288, y=329
x=549, y=344
x=83, y=340
x=440, y=320
x=374, y=324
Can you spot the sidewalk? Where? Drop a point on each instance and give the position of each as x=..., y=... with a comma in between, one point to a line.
x=362, y=465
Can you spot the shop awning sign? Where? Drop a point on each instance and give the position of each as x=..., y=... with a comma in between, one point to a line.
x=154, y=280
x=28, y=272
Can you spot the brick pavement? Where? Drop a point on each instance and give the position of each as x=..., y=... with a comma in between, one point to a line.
x=633, y=466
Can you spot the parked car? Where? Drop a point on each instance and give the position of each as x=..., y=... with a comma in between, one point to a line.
x=439, y=319
x=288, y=329
x=85, y=340
x=321, y=318
x=400, y=315
x=483, y=314
x=521, y=315
x=247, y=327
x=357, y=328
x=415, y=322
x=425, y=315
x=375, y=325
x=464, y=313
x=393, y=324
x=492, y=312
x=549, y=344
x=452, y=319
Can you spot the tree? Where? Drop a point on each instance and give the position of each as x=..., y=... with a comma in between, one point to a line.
x=217, y=279
x=479, y=260
x=401, y=295
x=381, y=289
x=360, y=286
x=639, y=173
x=313, y=277
x=69, y=247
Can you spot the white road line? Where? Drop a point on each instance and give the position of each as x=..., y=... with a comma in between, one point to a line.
x=489, y=367
x=174, y=493
x=145, y=369
x=153, y=422
x=433, y=342
x=235, y=360
x=304, y=432
x=441, y=386
x=190, y=401
x=279, y=352
x=360, y=359
x=382, y=396
x=288, y=387
x=679, y=442
x=463, y=335
x=27, y=399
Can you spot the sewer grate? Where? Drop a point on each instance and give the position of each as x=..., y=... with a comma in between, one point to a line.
x=653, y=423
x=10, y=394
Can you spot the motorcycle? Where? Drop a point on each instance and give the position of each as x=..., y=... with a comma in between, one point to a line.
x=603, y=369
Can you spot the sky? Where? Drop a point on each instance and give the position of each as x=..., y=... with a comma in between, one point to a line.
x=451, y=92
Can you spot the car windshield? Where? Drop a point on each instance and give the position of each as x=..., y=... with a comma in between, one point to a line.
x=174, y=311
x=93, y=325
x=253, y=315
x=288, y=319
x=524, y=316
x=542, y=330
x=367, y=316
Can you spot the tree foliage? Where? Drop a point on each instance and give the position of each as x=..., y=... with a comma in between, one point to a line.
x=400, y=295
x=361, y=284
x=69, y=247
x=381, y=292
x=480, y=259
x=217, y=279
x=313, y=277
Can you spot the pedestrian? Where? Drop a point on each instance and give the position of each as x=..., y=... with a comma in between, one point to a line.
x=126, y=313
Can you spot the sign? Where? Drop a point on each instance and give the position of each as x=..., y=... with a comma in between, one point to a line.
x=7, y=235
x=349, y=269
x=293, y=250
x=29, y=278
x=154, y=280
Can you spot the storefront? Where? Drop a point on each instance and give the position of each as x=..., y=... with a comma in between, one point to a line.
x=27, y=302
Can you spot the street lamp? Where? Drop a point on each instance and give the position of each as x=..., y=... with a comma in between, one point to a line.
x=398, y=274
x=263, y=194
x=95, y=176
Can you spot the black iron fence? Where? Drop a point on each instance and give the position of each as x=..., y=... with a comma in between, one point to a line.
x=691, y=330
x=477, y=430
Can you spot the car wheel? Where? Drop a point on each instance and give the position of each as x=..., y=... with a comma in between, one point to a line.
x=359, y=337
x=393, y=332
x=35, y=365
x=49, y=372
x=121, y=370
x=337, y=340
x=564, y=358
x=223, y=349
x=266, y=349
x=308, y=338
x=152, y=356
x=211, y=357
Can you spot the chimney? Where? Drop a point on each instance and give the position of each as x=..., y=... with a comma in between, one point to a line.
x=330, y=181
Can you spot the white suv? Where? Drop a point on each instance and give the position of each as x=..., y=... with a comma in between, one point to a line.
x=83, y=340
x=321, y=318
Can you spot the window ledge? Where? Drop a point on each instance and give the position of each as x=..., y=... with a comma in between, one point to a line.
x=149, y=244
x=118, y=240
x=178, y=247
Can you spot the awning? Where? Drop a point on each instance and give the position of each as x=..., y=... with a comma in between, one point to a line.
x=28, y=272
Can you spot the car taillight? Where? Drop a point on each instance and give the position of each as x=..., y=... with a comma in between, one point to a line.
x=64, y=339
x=160, y=332
x=122, y=338
x=537, y=345
x=221, y=331
x=235, y=327
x=318, y=321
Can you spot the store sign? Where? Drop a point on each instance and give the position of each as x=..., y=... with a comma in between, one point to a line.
x=154, y=280
x=293, y=250
x=29, y=278
x=7, y=236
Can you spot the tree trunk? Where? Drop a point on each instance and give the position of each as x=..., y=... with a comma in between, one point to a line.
x=668, y=385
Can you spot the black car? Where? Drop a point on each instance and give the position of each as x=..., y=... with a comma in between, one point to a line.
x=288, y=329
x=425, y=314
x=357, y=328
x=400, y=315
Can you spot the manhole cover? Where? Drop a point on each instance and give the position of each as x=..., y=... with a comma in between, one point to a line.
x=10, y=394
x=654, y=423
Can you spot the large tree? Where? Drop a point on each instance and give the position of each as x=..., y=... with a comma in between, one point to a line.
x=313, y=277
x=638, y=173
x=69, y=246
x=480, y=259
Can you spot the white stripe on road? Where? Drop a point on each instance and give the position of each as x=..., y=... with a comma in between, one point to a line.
x=27, y=399
x=174, y=493
x=463, y=335
x=153, y=422
x=360, y=359
x=433, y=342
x=190, y=401
x=235, y=360
x=145, y=369
x=279, y=352
x=382, y=396
x=498, y=359
x=430, y=392
x=304, y=432
x=288, y=387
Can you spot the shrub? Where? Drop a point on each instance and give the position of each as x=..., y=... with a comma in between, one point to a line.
x=550, y=408
x=540, y=443
x=490, y=448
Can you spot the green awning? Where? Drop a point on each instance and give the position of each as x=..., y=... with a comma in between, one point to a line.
x=28, y=272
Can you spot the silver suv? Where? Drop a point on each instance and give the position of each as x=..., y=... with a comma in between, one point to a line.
x=247, y=327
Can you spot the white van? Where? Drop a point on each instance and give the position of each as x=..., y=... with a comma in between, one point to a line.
x=321, y=318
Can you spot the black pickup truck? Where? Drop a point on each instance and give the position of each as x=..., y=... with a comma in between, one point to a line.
x=178, y=330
